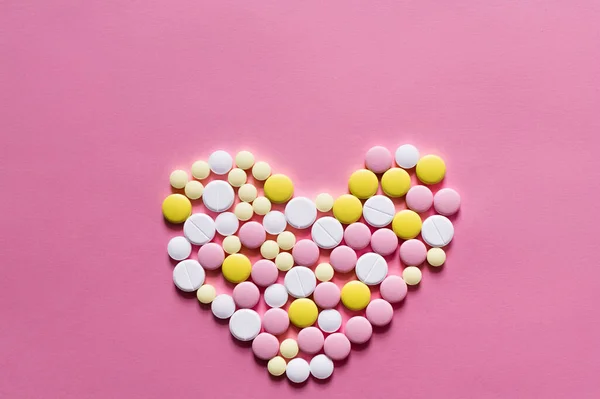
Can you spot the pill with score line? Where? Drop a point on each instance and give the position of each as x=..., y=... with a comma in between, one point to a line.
x=218, y=196
x=327, y=232
x=199, y=228
x=188, y=275
x=371, y=268
x=300, y=282
x=379, y=211
x=437, y=231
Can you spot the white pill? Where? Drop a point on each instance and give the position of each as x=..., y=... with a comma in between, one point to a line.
x=220, y=162
x=199, y=228
x=371, y=268
x=300, y=281
x=223, y=306
x=245, y=324
x=218, y=196
x=407, y=156
x=330, y=320
x=188, y=275
x=321, y=367
x=179, y=248
x=227, y=223
x=437, y=231
x=297, y=370
x=379, y=211
x=300, y=212
x=327, y=232
x=274, y=222
x=276, y=295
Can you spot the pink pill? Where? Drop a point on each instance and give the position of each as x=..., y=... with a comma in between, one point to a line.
x=393, y=289
x=419, y=199
x=378, y=159
x=264, y=273
x=265, y=346
x=337, y=346
x=379, y=312
x=327, y=295
x=310, y=340
x=211, y=256
x=358, y=330
x=276, y=321
x=413, y=252
x=343, y=259
x=305, y=253
x=384, y=242
x=252, y=235
x=246, y=295
x=446, y=201
x=357, y=235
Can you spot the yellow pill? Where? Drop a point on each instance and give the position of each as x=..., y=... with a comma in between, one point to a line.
x=284, y=261
x=200, y=170
x=243, y=211
x=176, y=208
x=194, y=189
x=289, y=348
x=269, y=249
x=324, y=202
x=286, y=240
x=261, y=205
x=236, y=268
x=206, y=294
x=407, y=224
x=347, y=209
x=436, y=257
x=178, y=178
x=276, y=366
x=431, y=169
x=355, y=295
x=303, y=312
x=236, y=177
x=395, y=182
x=244, y=160
x=324, y=272
x=232, y=244
x=261, y=170
x=412, y=275
x=278, y=188
x=363, y=184
x=247, y=193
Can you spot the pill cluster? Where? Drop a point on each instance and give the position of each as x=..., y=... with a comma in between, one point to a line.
x=358, y=232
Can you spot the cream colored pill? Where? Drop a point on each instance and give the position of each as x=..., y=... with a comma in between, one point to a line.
x=436, y=257
x=324, y=202
x=284, y=261
x=194, y=189
x=269, y=249
x=288, y=348
x=243, y=211
x=261, y=170
x=244, y=160
x=200, y=170
x=286, y=240
x=324, y=272
x=206, y=294
x=178, y=178
x=247, y=193
x=261, y=205
x=232, y=245
x=237, y=177
x=276, y=366
x=412, y=275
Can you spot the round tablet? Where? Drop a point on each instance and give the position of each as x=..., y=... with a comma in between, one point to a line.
x=200, y=170
x=261, y=205
x=357, y=236
x=223, y=306
x=199, y=228
x=252, y=235
x=446, y=201
x=244, y=324
x=371, y=268
x=237, y=177
x=276, y=366
x=297, y=370
x=324, y=272
x=419, y=199
x=363, y=183
x=324, y=202
x=261, y=170
x=310, y=340
x=327, y=295
x=395, y=182
x=406, y=224
x=176, y=208
x=412, y=275
x=436, y=257
x=358, y=330
x=300, y=212
x=347, y=209
x=243, y=211
x=244, y=160
x=288, y=348
x=276, y=295
x=413, y=252
x=206, y=294
x=179, y=248
x=437, y=231
x=305, y=253
x=269, y=249
x=300, y=281
x=330, y=320
x=407, y=156
x=343, y=259
x=264, y=273
x=236, y=268
x=276, y=321
x=227, y=223
x=278, y=188
x=218, y=196
x=431, y=169
x=337, y=346
x=321, y=367
x=232, y=245
x=188, y=275
x=378, y=159
x=384, y=242
x=379, y=312
x=284, y=261
x=178, y=178
x=211, y=256
x=247, y=193
x=303, y=312
x=246, y=295
x=393, y=289
x=220, y=162
x=286, y=240
x=274, y=222
x=355, y=295
x=379, y=211
x=265, y=346
x=194, y=189
x=327, y=232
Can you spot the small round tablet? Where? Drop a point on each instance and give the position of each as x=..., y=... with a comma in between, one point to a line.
x=245, y=324
x=358, y=330
x=330, y=320
x=419, y=199
x=218, y=196
x=188, y=275
x=303, y=312
x=274, y=222
x=378, y=159
x=327, y=232
x=223, y=306
x=300, y=212
x=288, y=348
x=237, y=177
x=206, y=294
x=337, y=346
x=261, y=171
x=384, y=242
x=264, y=273
x=321, y=367
x=412, y=275
x=220, y=162
x=327, y=295
x=379, y=312
x=297, y=370
x=446, y=201
x=284, y=261
x=269, y=249
x=347, y=209
x=243, y=211
x=236, y=268
x=276, y=295
x=227, y=223
x=355, y=295
x=437, y=231
x=371, y=268
x=407, y=156
x=194, y=189
x=246, y=295
x=393, y=289
x=305, y=253
x=247, y=193
x=286, y=240
x=278, y=188
x=252, y=235
x=357, y=236
x=343, y=259
x=265, y=346
x=436, y=257
x=176, y=208
x=413, y=252
x=179, y=248
x=363, y=184
x=211, y=256
x=261, y=205
x=244, y=160
x=199, y=228
x=310, y=340
x=200, y=170
x=379, y=211
x=232, y=244
x=324, y=272
x=276, y=321
x=395, y=182
x=431, y=169
x=324, y=202
x=406, y=224
x=178, y=178
x=300, y=282
x=276, y=366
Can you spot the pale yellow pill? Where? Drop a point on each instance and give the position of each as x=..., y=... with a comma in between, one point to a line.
x=436, y=257
x=324, y=272
x=244, y=160
x=284, y=261
x=269, y=249
x=288, y=348
x=194, y=189
x=412, y=275
x=243, y=211
x=247, y=193
x=200, y=170
x=324, y=202
x=232, y=245
x=286, y=240
x=261, y=170
x=236, y=177
x=178, y=178
x=276, y=366
x=206, y=294
x=261, y=205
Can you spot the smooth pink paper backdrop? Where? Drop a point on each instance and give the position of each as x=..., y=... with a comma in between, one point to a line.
x=100, y=100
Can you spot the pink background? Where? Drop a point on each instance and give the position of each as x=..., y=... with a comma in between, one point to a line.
x=100, y=100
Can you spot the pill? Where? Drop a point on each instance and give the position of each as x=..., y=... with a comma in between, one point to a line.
x=284, y=261
x=286, y=240
x=243, y=211
x=412, y=275
x=419, y=199
x=246, y=295
x=327, y=295
x=379, y=312
x=244, y=160
x=303, y=312
x=261, y=205
x=305, y=253
x=265, y=346
x=176, y=208
x=237, y=177
x=199, y=228
x=288, y=348
x=393, y=289
x=245, y=324
x=347, y=209
x=378, y=159
x=406, y=224
x=211, y=256
x=278, y=188
x=310, y=340
x=437, y=231
x=324, y=202
x=330, y=320
x=276, y=295
x=264, y=273
x=269, y=249
x=179, y=248
x=223, y=306
x=252, y=235
x=178, y=178
x=194, y=189
x=206, y=294
x=407, y=156
x=300, y=212
x=436, y=257
x=300, y=282
x=327, y=232
x=218, y=196
x=276, y=321
x=321, y=367
x=188, y=275
x=261, y=171
x=232, y=245
x=357, y=236
x=431, y=169
x=236, y=268
x=446, y=201
x=355, y=295
x=247, y=193
x=200, y=170
x=358, y=330
x=343, y=259
x=337, y=346
x=297, y=370
x=395, y=182
x=274, y=222
x=363, y=184
x=413, y=252
x=227, y=223
x=276, y=366
x=324, y=272
x=379, y=211
x=384, y=242
x=371, y=268
x=220, y=162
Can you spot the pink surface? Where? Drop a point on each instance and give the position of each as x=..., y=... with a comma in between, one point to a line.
x=100, y=100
